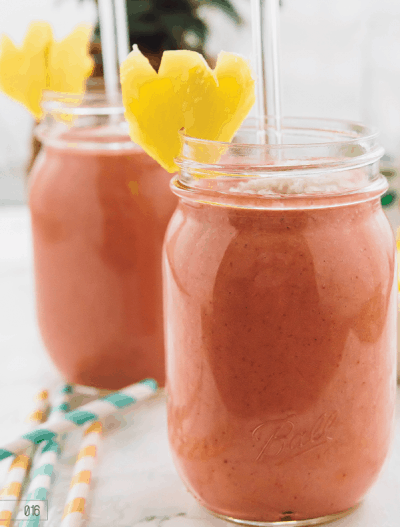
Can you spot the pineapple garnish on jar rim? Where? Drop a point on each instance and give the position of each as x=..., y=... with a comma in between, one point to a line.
x=42, y=63
x=186, y=94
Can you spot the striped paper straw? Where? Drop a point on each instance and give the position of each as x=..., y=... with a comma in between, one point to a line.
x=42, y=406
x=93, y=411
x=61, y=402
x=11, y=492
x=47, y=457
x=80, y=484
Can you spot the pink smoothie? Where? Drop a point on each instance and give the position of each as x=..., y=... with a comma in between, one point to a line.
x=98, y=221
x=280, y=335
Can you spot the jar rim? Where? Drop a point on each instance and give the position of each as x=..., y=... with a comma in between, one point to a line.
x=82, y=104
x=360, y=130
x=342, y=145
x=317, y=159
x=86, y=121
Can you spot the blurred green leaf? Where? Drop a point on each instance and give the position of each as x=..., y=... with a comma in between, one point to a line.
x=158, y=25
x=223, y=5
x=135, y=8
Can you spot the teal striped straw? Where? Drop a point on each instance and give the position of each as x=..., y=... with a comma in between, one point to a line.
x=10, y=494
x=93, y=411
x=47, y=457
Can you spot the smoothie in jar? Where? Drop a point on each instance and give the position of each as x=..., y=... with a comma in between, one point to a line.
x=280, y=321
x=99, y=206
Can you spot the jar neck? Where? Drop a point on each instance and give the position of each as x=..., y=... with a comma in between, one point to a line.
x=316, y=160
x=85, y=133
x=229, y=195
x=87, y=122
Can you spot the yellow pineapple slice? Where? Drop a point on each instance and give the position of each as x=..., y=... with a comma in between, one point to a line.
x=69, y=64
x=23, y=70
x=42, y=63
x=185, y=93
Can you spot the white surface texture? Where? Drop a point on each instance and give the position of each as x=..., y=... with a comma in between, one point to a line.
x=135, y=482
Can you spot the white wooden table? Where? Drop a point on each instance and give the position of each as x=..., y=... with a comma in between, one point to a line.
x=135, y=481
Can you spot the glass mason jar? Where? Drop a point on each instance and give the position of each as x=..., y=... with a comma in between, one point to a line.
x=99, y=208
x=280, y=320
x=381, y=104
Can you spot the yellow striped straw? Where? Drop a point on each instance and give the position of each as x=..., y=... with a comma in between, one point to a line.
x=39, y=414
x=47, y=456
x=10, y=494
x=80, y=484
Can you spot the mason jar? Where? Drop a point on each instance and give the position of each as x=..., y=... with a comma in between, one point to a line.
x=99, y=207
x=280, y=322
